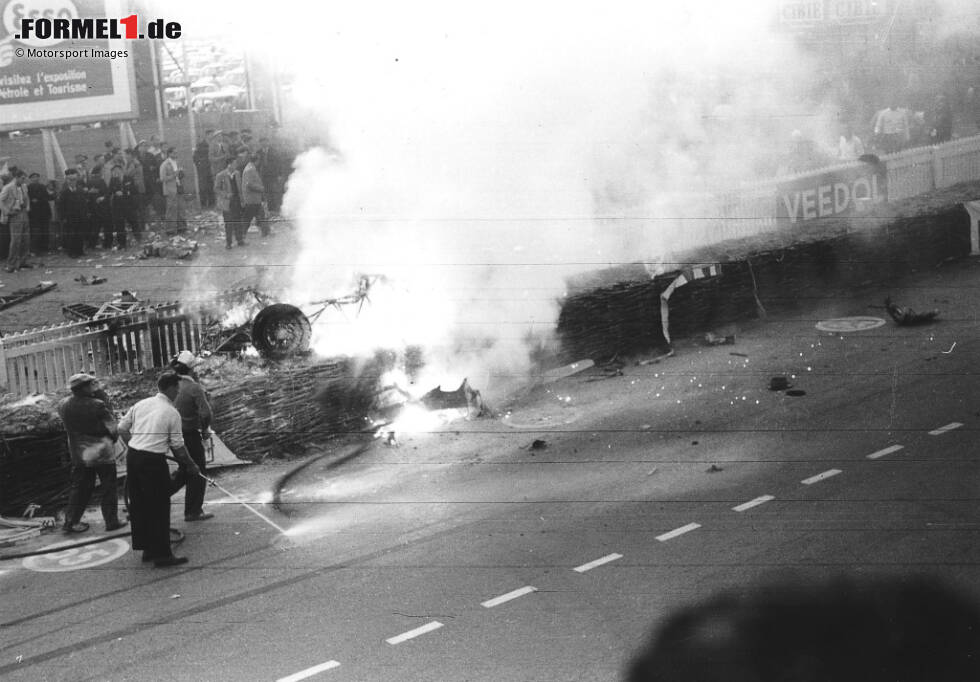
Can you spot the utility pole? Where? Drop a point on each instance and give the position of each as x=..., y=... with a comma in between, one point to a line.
x=158, y=94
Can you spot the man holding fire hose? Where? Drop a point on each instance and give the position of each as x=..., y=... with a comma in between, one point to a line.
x=195, y=414
x=152, y=429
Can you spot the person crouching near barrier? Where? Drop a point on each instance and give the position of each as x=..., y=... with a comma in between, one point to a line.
x=152, y=429
x=195, y=414
x=92, y=434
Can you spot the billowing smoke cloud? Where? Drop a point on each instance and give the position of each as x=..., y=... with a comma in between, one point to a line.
x=475, y=156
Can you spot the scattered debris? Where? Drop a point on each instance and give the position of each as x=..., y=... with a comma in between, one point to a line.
x=724, y=335
x=779, y=384
x=568, y=370
x=82, y=279
x=21, y=295
x=907, y=316
x=653, y=361
x=713, y=469
x=464, y=396
x=652, y=471
x=169, y=247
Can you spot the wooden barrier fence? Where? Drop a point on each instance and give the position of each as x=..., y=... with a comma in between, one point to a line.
x=41, y=360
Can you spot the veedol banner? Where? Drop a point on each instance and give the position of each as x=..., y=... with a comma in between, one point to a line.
x=849, y=191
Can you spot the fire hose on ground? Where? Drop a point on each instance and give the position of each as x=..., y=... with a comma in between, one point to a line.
x=178, y=535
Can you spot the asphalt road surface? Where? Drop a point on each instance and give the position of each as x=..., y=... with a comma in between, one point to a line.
x=468, y=555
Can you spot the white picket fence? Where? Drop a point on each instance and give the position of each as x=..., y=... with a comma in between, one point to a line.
x=41, y=360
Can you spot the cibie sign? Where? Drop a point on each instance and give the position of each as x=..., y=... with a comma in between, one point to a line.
x=849, y=191
x=804, y=13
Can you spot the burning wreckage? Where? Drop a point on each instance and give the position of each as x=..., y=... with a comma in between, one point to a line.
x=247, y=321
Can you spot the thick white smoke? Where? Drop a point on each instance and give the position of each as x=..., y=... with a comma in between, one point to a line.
x=476, y=155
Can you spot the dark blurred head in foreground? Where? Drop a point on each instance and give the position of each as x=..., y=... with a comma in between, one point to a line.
x=914, y=629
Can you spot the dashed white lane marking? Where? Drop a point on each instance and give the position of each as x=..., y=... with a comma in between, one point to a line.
x=309, y=672
x=819, y=477
x=598, y=562
x=678, y=531
x=497, y=601
x=943, y=429
x=428, y=627
x=886, y=451
x=753, y=503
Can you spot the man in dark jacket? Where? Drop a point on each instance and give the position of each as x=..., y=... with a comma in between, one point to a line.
x=202, y=163
x=123, y=206
x=195, y=417
x=100, y=215
x=73, y=209
x=40, y=197
x=91, y=434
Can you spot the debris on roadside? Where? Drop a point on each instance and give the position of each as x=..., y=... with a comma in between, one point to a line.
x=177, y=247
x=553, y=375
x=653, y=361
x=779, y=384
x=538, y=444
x=713, y=469
x=724, y=335
x=21, y=295
x=907, y=316
x=82, y=279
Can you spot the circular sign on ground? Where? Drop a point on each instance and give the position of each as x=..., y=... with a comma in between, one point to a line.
x=849, y=324
x=77, y=558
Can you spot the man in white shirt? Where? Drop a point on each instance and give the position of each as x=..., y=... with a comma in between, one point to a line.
x=152, y=429
x=892, y=129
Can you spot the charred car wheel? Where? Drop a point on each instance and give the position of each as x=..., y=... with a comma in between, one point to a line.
x=280, y=330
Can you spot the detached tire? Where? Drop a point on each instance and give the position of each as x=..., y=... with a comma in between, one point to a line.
x=280, y=330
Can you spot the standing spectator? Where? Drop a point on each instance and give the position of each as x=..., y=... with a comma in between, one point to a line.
x=73, y=210
x=171, y=179
x=252, y=192
x=134, y=171
x=152, y=191
x=195, y=414
x=81, y=165
x=269, y=162
x=92, y=431
x=891, y=129
x=39, y=216
x=124, y=198
x=152, y=429
x=15, y=205
x=218, y=154
x=234, y=142
x=849, y=147
x=971, y=101
x=100, y=212
x=5, y=177
x=229, y=203
x=202, y=164
x=942, y=121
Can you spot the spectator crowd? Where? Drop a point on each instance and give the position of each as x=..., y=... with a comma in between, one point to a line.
x=126, y=192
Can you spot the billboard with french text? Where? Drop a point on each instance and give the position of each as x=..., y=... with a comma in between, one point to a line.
x=49, y=79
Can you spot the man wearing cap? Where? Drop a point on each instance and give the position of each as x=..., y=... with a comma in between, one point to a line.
x=73, y=209
x=152, y=429
x=195, y=415
x=81, y=165
x=39, y=216
x=92, y=432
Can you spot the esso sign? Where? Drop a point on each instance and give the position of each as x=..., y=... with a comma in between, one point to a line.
x=36, y=9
